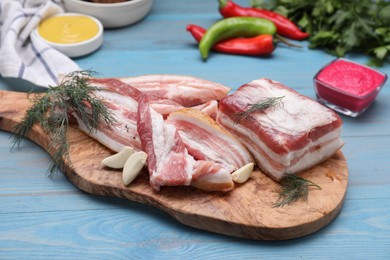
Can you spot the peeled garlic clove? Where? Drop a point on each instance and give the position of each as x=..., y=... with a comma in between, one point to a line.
x=117, y=161
x=133, y=167
x=242, y=175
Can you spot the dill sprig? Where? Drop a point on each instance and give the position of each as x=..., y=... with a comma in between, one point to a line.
x=293, y=188
x=261, y=105
x=51, y=112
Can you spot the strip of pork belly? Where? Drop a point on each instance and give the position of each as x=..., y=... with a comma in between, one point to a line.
x=121, y=99
x=169, y=163
x=293, y=136
x=185, y=90
x=206, y=140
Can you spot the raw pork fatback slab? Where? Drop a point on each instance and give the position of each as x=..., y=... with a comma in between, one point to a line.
x=206, y=140
x=185, y=90
x=122, y=101
x=169, y=162
x=292, y=136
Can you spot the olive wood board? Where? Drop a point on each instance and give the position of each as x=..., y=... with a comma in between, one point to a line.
x=247, y=211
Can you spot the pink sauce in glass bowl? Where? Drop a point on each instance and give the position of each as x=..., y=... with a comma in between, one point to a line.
x=348, y=87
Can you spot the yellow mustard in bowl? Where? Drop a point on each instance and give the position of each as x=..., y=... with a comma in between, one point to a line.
x=68, y=29
x=73, y=34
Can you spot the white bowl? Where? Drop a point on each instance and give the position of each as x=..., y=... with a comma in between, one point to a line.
x=80, y=48
x=113, y=14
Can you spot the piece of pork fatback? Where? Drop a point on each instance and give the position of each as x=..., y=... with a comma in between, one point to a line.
x=122, y=100
x=187, y=91
x=169, y=162
x=292, y=136
x=206, y=140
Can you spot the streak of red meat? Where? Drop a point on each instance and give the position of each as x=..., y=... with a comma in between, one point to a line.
x=168, y=161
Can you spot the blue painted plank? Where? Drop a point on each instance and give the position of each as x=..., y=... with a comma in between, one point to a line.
x=112, y=234
x=42, y=218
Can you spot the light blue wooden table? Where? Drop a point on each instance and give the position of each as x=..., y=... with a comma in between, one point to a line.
x=43, y=218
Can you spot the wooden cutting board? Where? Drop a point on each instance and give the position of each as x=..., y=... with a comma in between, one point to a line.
x=245, y=212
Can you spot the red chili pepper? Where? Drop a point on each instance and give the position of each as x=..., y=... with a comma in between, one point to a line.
x=259, y=45
x=284, y=26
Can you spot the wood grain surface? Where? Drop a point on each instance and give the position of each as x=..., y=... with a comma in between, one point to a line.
x=246, y=212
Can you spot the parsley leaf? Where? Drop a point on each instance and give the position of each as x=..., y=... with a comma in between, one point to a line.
x=340, y=26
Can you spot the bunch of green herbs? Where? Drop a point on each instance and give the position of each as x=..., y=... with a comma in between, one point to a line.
x=340, y=26
x=51, y=112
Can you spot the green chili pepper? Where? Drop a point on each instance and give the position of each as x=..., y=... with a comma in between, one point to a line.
x=234, y=27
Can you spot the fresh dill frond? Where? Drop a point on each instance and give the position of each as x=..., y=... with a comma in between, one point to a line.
x=293, y=188
x=51, y=112
x=33, y=115
x=261, y=105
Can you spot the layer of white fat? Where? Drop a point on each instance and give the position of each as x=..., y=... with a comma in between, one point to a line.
x=331, y=139
x=210, y=153
x=157, y=134
x=309, y=160
x=318, y=155
x=234, y=155
x=295, y=113
x=157, y=79
x=163, y=141
x=101, y=137
x=124, y=126
x=174, y=84
x=209, y=107
x=222, y=176
x=256, y=144
x=148, y=81
x=165, y=109
x=120, y=100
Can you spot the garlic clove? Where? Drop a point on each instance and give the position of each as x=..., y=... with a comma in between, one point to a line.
x=133, y=167
x=117, y=161
x=242, y=175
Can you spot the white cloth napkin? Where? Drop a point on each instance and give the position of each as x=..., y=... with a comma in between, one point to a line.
x=22, y=54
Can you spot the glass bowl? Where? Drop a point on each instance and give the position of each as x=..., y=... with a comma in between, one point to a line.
x=348, y=87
